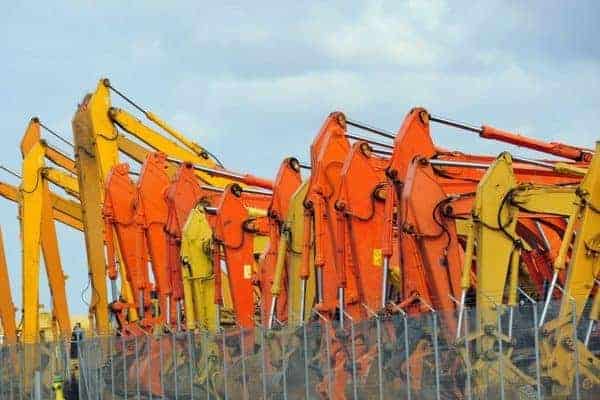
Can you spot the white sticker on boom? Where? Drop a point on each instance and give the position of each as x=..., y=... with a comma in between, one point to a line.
x=247, y=271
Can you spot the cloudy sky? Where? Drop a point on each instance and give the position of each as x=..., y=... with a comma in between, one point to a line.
x=253, y=84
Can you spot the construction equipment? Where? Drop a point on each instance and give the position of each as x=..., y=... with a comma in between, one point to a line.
x=396, y=265
x=7, y=307
x=37, y=227
x=286, y=183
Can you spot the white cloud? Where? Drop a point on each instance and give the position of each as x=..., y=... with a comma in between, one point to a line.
x=146, y=50
x=189, y=125
x=297, y=91
x=378, y=35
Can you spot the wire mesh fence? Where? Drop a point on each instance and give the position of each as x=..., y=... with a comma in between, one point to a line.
x=508, y=354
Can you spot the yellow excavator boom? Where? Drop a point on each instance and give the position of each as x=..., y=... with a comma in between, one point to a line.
x=7, y=307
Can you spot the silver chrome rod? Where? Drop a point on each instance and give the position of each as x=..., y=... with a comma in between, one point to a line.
x=245, y=190
x=463, y=164
x=178, y=311
x=141, y=304
x=382, y=152
x=341, y=306
x=456, y=124
x=371, y=129
x=302, y=301
x=210, y=210
x=461, y=310
x=548, y=298
x=511, y=312
x=113, y=290
x=531, y=161
x=320, y=284
x=374, y=142
x=212, y=188
x=386, y=268
x=272, y=312
x=258, y=192
x=168, y=310
x=543, y=235
x=588, y=333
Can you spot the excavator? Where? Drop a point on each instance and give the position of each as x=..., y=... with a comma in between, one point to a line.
x=380, y=229
x=7, y=307
x=287, y=181
x=418, y=166
x=38, y=209
x=497, y=255
x=562, y=352
x=97, y=126
x=444, y=290
x=37, y=225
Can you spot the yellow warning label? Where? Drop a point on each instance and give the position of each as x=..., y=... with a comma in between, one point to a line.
x=377, y=257
x=247, y=271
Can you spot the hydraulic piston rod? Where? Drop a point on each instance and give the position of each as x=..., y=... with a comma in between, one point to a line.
x=371, y=129
x=245, y=190
x=468, y=164
x=489, y=132
x=244, y=178
x=374, y=142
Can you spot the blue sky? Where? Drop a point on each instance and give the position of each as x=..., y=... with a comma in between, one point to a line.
x=253, y=84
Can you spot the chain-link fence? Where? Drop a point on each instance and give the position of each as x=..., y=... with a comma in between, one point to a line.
x=503, y=353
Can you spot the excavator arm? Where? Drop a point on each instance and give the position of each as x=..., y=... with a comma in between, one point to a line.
x=7, y=307
x=562, y=351
x=286, y=183
x=235, y=225
x=65, y=211
x=37, y=227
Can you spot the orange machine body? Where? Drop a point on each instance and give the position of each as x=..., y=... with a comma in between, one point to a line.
x=328, y=152
x=286, y=183
x=181, y=196
x=152, y=185
x=122, y=220
x=413, y=146
x=233, y=231
x=360, y=210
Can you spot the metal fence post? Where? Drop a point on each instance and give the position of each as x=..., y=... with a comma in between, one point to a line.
x=149, y=344
x=263, y=362
x=205, y=350
x=407, y=355
x=226, y=389
x=81, y=377
x=37, y=385
x=379, y=356
x=99, y=369
x=137, y=367
x=161, y=371
x=112, y=366
x=242, y=350
x=436, y=354
x=191, y=363
x=305, y=345
x=328, y=356
x=174, y=358
x=536, y=342
x=353, y=348
x=576, y=350
x=500, y=352
x=468, y=388
x=124, y=353
x=284, y=366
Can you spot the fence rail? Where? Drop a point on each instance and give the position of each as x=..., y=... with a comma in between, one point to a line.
x=384, y=357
